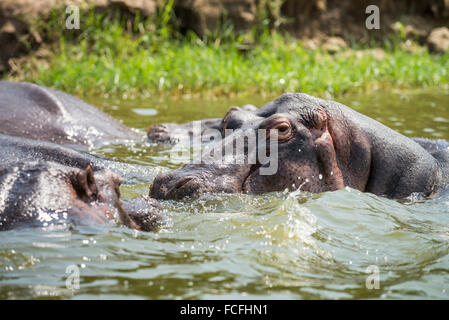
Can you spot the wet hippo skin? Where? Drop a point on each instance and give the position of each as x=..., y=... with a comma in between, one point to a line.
x=322, y=146
x=42, y=183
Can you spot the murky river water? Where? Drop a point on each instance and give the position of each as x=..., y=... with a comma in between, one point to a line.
x=277, y=245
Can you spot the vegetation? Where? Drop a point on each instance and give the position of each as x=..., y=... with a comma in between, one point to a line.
x=110, y=55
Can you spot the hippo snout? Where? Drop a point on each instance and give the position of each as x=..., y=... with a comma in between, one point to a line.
x=181, y=183
x=189, y=182
x=176, y=187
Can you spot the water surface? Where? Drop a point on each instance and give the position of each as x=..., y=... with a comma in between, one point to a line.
x=279, y=245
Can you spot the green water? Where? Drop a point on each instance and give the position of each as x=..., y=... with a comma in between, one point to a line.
x=277, y=245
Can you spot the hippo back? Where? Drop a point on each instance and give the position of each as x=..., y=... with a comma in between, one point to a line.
x=16, y=149
x=32, y=111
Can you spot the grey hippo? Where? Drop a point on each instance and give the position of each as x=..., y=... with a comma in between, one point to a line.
x=42, y=183
x=322, y=146
x=31, y=111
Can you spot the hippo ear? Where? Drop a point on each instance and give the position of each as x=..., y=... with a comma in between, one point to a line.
x=325, y=150
x=317, y=121
x=83, y=182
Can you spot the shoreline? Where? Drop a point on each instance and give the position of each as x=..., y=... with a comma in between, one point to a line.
x=126, y=58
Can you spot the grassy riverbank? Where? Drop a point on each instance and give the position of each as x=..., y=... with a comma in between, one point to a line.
x=108, y=56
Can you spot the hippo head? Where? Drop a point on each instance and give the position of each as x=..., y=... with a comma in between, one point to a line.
x=173, y=133
x=298, y=152
x=43, y=193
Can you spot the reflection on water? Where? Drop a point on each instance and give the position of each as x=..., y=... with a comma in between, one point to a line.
x=277, y=245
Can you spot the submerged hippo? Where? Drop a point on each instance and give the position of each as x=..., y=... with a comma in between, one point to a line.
x=43, y=183
x=36, y=112
x=173, y=132
x=322, y=146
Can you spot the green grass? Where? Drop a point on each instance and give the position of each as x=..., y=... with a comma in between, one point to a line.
x=105, y=56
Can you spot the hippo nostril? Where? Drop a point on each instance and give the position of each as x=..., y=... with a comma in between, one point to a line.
x=182, y=182
x=184, y=187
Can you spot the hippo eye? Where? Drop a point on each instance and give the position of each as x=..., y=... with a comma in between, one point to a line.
x=281, y=124
x=284, y=130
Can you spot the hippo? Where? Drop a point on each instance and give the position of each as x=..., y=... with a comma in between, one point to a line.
x=32, y=111
x=322, y=146
x=171, y=133
x=175, y=133
x=42, y=183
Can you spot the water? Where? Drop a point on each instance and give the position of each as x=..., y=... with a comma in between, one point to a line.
x=278, y=245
